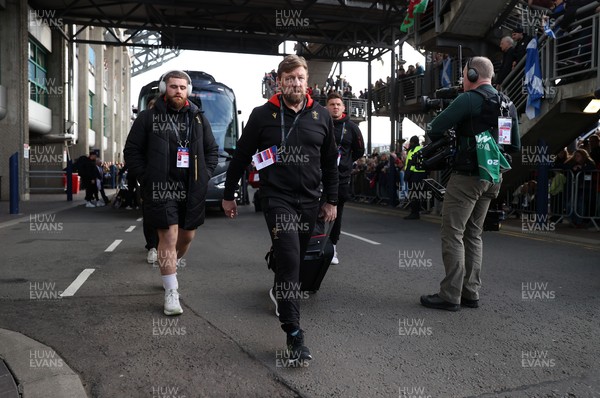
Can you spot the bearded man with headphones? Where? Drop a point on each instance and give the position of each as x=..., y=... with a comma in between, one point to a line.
x=173, y=152
x=479, y=112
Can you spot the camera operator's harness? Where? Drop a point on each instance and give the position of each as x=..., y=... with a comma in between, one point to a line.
x=493, y=126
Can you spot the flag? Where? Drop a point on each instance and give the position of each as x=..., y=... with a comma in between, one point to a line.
x=548, y=31
x=533, y=80
x=447, y=72
x=414, y=7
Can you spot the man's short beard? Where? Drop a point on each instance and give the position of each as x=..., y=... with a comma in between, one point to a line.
x=293, y=98
x=176, y=102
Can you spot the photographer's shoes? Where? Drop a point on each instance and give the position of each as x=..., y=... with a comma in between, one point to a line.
x=465, y=302
x=435, y=301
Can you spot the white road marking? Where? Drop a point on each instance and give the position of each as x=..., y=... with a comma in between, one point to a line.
x=81, y=278
x=360, y=238
x=130, y=228
x=113, y=245
x=139, y=219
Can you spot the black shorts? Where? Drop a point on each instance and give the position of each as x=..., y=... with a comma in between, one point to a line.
x=164, y=214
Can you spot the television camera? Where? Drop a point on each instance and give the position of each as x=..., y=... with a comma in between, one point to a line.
x=437, y=155
x=441, y=98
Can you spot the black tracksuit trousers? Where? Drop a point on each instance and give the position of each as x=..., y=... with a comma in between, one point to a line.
x=290, y=226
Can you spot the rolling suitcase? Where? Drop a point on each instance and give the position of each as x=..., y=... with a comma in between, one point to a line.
x=317, y=258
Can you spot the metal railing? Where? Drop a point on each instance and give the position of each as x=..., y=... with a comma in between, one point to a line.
x=575, y=196
x=523, y=15
x=409, y=88
x=569, y=58
x=370, y=188
x=586, y=201
x=576, y=54
x=355, y=107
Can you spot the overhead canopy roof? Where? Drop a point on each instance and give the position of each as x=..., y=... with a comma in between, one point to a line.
x=325, y=29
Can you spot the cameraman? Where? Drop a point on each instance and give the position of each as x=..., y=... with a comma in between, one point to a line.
x=467, y=196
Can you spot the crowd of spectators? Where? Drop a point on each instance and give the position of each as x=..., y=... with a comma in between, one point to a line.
x=574, y=185
x=342, y=86
x=96, y=175
x=559, y=16
x=380, y=177
x=318, y=91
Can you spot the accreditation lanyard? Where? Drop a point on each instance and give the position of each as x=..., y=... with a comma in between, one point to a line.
x=183, y=152
x=285, y=136
x=339, y=157
x=342, y=138
x=185, y=141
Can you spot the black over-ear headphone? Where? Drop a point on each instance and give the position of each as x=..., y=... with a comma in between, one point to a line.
x=472, y=73
x=162, y=85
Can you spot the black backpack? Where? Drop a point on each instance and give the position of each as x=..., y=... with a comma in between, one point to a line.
x=494, y=105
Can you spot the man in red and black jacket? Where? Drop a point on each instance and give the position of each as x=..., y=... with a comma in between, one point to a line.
x=351, y=147
x=296, y=152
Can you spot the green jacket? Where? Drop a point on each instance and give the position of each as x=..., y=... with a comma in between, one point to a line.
x=463, y=115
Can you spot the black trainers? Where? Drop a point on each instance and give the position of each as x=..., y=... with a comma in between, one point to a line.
x=297, y=351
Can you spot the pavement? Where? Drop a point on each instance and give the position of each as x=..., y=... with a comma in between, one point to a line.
x=63, y=381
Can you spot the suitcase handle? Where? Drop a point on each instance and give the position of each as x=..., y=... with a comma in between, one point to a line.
x=327, y=230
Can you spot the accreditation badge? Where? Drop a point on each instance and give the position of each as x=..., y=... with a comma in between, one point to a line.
x=183, y=157
x=265, y=158
x=504, y=130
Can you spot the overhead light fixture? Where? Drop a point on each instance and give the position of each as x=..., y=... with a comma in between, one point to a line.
x=593, y=106
x=557, y=81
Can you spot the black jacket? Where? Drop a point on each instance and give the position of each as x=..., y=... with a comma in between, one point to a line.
x=521, y=48
x=87, y=171
x=147, y=155
x=507, y=60
x=309, y=157
x=352, y=147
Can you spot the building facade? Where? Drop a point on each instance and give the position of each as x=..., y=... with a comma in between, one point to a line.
x=58, y=99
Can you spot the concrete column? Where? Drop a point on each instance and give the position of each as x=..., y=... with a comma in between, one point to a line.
x=81, y=98
x=110, y=125
x=14, y=127
x=126, y=97
x=122, y=119
x=98, y=101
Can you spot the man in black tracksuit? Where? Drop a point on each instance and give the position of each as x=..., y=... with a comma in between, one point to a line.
x=351, y=147
x=302, y=132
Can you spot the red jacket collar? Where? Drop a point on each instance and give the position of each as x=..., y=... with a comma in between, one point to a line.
x=275, y=100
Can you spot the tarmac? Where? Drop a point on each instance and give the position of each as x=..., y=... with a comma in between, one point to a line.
x=19, y=379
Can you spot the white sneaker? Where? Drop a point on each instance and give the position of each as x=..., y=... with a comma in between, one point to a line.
x=335, y=260
x=100, y=204
x=152, y=256
x=89, y=204
x=272, y=295
x=172, y=306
